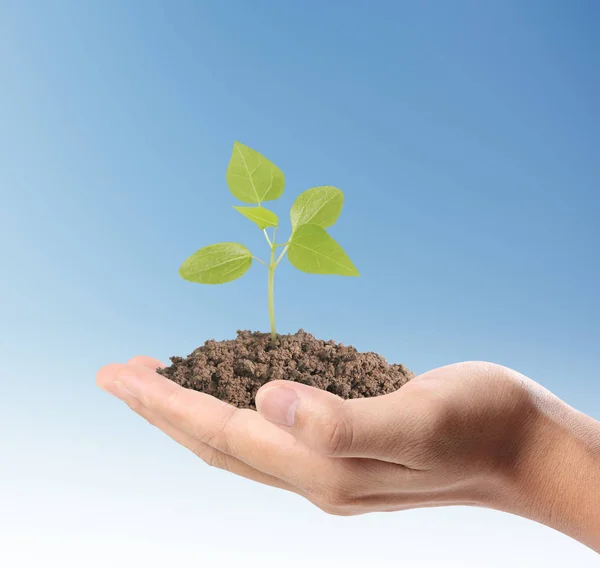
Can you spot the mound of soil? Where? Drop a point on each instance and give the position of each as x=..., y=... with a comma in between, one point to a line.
x=234, y=370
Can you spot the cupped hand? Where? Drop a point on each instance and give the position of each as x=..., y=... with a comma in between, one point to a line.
x=452, y=436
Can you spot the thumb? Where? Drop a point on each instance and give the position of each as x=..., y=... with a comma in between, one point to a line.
x=363, y=427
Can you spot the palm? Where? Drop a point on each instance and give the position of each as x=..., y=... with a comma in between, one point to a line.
x=427, y=442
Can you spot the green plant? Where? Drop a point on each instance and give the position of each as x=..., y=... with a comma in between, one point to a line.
x=254, y=179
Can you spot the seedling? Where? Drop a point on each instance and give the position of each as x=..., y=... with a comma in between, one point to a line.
x=254, y=179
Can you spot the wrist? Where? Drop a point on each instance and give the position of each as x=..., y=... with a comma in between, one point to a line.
x=555, y=478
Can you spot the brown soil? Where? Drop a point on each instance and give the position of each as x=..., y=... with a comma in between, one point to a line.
x=234, y=370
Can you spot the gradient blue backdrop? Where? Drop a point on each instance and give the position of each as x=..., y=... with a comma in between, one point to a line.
x=465, y=136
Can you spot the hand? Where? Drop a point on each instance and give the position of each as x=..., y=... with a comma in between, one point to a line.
x=466, y=434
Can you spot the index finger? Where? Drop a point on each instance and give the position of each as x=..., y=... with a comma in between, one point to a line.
x=241, y=433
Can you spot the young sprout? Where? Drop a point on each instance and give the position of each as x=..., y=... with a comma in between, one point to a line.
x=254, y=179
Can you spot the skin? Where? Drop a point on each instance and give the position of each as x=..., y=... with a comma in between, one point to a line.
x=466, y=434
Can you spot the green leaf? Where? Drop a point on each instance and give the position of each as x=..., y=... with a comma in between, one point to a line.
x=319, y=206
x=251, y=177
x=312, y=250
x=259, y=215
x=217, y=264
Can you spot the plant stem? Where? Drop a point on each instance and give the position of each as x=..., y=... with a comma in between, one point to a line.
x=281, y=255
x=259, y=260
x=272, y=267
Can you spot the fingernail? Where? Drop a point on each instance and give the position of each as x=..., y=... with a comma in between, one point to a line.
x=278, y=404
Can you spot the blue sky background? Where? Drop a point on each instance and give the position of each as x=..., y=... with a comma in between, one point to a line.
x=465, y=136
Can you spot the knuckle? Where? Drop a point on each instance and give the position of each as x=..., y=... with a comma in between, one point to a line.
x=135, y=405
x=173, y=402
x=216, y=459
x=336, y=437
x=219, y=438
x=152, y=420
x=341, y=495
x=139, y=408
